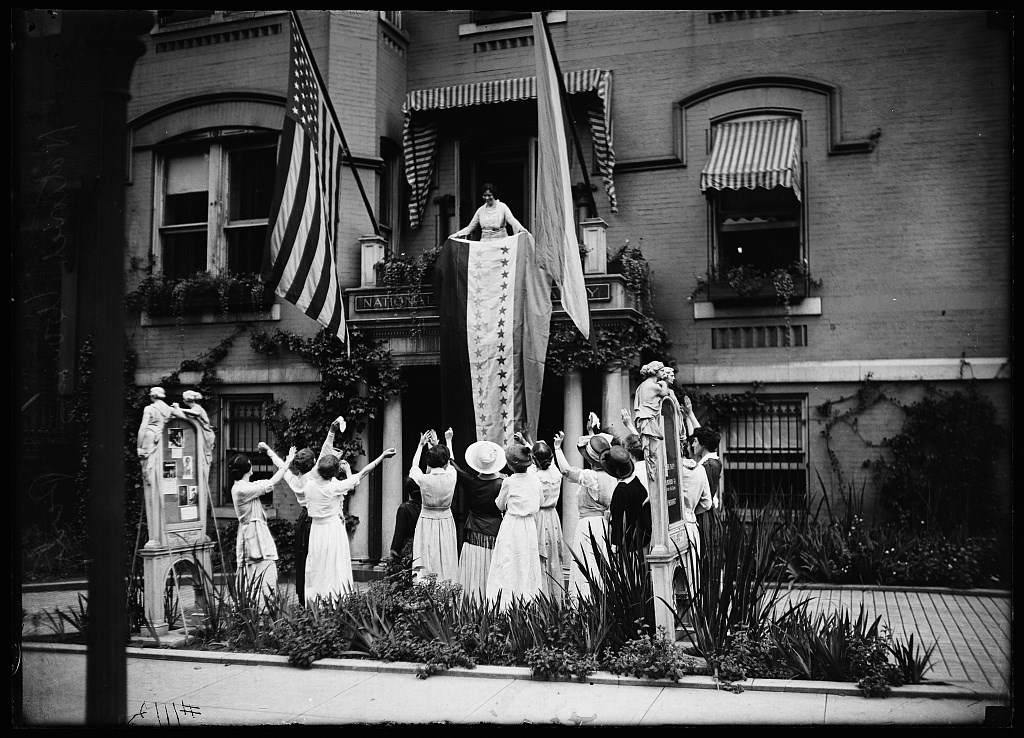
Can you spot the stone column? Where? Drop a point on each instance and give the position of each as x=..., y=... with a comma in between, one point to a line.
x=593, y=230
x=359, y=504
x=392, y=475
x=373, y=249
x=572, y=426
x=614, y=394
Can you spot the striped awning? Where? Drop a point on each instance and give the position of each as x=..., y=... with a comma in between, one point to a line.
x=419, y=136
x=748, y=154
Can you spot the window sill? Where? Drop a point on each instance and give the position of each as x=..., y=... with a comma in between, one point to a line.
x=721, y=293
x=211, y=315
x=468, y=29
x=809, y=306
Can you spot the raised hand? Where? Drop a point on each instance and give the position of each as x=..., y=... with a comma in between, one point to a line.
x=388, y=453
x=556, y=441
x=448, y=435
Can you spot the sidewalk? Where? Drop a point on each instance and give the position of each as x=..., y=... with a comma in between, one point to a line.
x=970, y=680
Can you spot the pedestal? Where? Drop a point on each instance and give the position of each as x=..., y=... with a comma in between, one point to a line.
x=157, y=564
x=372, y=249
x=594, y=239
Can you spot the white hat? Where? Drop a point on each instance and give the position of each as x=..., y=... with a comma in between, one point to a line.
x=485, y=457
x=157, y=392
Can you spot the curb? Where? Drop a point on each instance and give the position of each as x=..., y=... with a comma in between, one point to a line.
x=942, y=690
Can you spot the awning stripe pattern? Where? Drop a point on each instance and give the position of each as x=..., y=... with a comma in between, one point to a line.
x=419, y=136
x=749, y=154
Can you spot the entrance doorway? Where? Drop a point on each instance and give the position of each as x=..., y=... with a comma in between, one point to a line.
x=506, y=165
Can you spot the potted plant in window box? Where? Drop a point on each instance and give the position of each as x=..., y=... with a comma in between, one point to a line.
x=747, y=284
x=223, y=291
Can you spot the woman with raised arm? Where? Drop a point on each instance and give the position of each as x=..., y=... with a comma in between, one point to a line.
x=434, y=545
x=255, y=550
x=329, y=562
x=593, y=501
x=483, y=518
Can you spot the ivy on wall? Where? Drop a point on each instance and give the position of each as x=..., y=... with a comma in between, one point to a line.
x=355, y=382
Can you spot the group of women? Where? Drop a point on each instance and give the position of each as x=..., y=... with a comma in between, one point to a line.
x=512, y=534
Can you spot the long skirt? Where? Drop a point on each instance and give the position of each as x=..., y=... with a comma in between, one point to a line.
x=590, y=528
x=474, y=565
x=549, y=543
x=261, y=574
x=434, y=547
x=691, y=555
x=515, y=563
x=328, y=561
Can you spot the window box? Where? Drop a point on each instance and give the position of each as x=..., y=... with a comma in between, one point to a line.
x=721, y=292
x=204, y=292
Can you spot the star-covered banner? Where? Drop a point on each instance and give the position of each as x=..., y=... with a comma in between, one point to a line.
x=495, y=312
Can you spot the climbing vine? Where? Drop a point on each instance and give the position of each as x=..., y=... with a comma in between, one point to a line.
x=568, y=350
x=355, y=382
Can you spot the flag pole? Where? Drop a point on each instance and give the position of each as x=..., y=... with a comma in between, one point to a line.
x=334, y=115
x=564, y=96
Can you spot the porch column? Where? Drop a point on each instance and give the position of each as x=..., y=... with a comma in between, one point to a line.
x=392, y=474
x=372, y=249
x=359, y=503
x=614, y=394
x=572, y=426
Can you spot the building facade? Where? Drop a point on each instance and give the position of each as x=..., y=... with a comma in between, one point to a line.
x=822, y=197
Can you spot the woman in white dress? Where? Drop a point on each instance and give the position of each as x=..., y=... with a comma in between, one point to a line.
x=328, y=561
x=593, y=502
x=549, y=526
x=515, y=563
x=255, y=549
x=491, y=217
x=434, y=544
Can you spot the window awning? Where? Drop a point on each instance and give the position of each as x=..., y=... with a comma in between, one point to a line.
x=749, y=154
x=419, y=136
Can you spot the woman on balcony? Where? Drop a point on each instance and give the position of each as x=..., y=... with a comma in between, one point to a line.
x=492, y=217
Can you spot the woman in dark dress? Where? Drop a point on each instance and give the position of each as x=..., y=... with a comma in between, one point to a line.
x=483, y=518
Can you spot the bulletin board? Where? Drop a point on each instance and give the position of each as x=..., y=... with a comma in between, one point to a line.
x=179, y=478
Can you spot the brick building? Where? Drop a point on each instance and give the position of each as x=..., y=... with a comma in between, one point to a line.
x=860, y=159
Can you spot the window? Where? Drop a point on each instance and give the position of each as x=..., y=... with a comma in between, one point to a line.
x=753, y=182
x=764, y=452
x=389, y=193
x=244, y=425
x=213, y=201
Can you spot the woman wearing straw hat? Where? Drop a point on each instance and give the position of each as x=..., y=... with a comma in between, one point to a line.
x=515, y=562
x=593, y=500
x=483, y=518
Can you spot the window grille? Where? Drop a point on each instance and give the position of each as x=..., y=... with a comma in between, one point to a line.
x=244, y=426
x=765, y=453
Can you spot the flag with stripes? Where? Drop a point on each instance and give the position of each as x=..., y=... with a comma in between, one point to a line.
x=494, y=306
x=298, y=261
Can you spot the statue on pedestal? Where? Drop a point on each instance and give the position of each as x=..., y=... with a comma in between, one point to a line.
x=195, y=412
x=150, y=452
x=656, y=386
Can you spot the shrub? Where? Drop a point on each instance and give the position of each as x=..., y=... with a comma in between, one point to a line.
x=653, y=657
x=552, y=662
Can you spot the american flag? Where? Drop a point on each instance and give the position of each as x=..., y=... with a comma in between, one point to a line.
x=298, y=261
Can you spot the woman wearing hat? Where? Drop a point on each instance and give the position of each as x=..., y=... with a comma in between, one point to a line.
x=593, y=501
x=630, y=507
x=255, y=550
x=479, y=490
x=515, y=562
